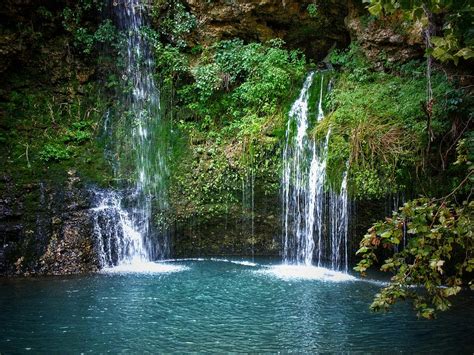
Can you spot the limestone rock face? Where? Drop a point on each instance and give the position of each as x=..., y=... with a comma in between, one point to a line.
x=46, y=228
x=70, y=250
x=262, y=20
x=386, y=40
x=234, y=233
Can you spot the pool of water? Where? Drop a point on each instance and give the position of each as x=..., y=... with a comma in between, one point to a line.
x=217, y=305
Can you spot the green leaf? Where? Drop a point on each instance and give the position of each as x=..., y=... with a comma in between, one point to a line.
x=451, y=291
x=376, y=9
x=417, y=13
x=466, y=53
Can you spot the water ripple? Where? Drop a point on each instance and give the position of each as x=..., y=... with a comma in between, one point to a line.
x=218, y=306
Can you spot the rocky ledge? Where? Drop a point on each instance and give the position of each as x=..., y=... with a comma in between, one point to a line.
x=46, y=228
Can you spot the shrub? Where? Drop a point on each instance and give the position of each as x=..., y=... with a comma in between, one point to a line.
x=54, y=152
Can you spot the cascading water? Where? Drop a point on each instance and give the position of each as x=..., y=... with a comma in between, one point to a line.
x=122, y=221
x=119, y=241
x=294, y=183
x=315, y=221
x=339, y=228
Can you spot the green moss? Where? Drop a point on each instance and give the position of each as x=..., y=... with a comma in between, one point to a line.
x=378, y=124
x=47, y=134
x=231, y=106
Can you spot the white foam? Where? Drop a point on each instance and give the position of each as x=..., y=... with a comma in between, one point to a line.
x=144, y=268
x=237, y=262
x=222, y=260
x=183, y=259
x=303, y=272
x=243, y=262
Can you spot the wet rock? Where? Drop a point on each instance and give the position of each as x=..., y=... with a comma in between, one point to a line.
x=387, y=40
x=9, y=48
x=46, y=228
x=70, y=251
x=232, y=233
x=262, y=20
x=35, y=46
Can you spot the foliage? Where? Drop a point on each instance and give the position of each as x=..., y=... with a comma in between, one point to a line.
x=235, y=79
x=54, y=152
x=176, y=23
x=207, y=183
x=431, y=242
x=465, y=151
x=87, y=35
x=313, y=10
x=239, y=93
x=171, y=61
x=229, y=99
x=80, y=132
x=378, y=123
x=457, y=40
x=47, y=134
x=433, y=245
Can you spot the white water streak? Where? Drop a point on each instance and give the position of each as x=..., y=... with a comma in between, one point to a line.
x=122, y=223
x=315, y=221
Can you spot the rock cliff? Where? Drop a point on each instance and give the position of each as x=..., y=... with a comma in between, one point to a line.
x=312, y=26
x=45, y=228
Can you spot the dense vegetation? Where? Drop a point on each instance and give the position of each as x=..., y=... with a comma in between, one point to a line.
x=431, y=239
x=234, y=110
x=379, y=124
x=402, y=127
x=53, y=111
x=52, y=134
x=229, y=100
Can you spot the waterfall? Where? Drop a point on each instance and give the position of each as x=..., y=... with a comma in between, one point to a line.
x=294, y=181
x=315, y=218
x=123, y=220
x=339, y=228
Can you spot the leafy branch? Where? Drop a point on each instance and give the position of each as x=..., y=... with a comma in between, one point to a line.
x=436, y=257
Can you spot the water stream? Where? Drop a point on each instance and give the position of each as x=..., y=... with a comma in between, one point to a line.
x=123, y=220
x=315, y=218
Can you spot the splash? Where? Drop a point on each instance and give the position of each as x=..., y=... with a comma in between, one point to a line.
x=305, y=272
x=144, y=268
